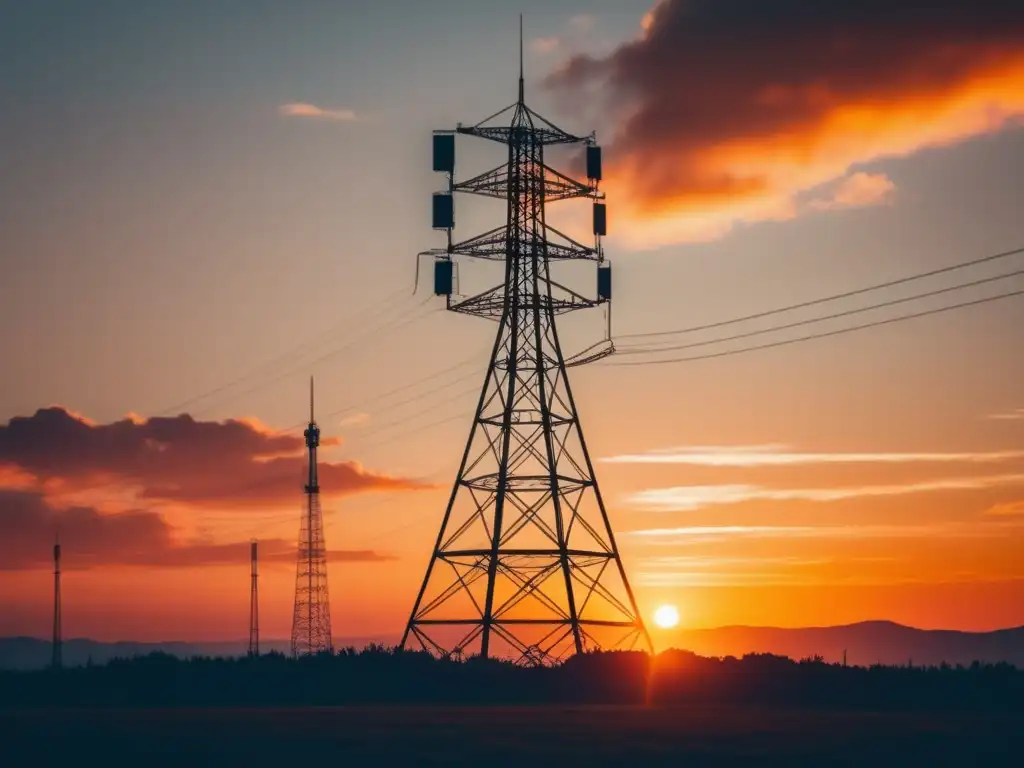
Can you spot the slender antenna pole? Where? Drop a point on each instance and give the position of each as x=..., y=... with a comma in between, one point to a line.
x=58, y=639
x=521, y=89
x=311, y=399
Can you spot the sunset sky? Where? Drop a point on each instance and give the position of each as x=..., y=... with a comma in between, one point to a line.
x=204, y=203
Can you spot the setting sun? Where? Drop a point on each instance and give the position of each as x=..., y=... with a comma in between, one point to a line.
x=666, y=617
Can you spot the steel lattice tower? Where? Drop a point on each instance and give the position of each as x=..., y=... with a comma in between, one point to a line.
x=57, y=660
x=254, y=604
x=311, y=622
x=525, y=565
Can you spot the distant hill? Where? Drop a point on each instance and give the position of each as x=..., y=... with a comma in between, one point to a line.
x=866, y=643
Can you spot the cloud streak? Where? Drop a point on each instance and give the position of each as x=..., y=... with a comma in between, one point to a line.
x=142, y=538
x=775, y=455
x=681, y=535
x=688, y=498
x=858, y=190
x=300, y=109
x=727, y=112
x=1014, y=415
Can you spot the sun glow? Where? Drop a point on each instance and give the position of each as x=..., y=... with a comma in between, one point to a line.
x=666, y=616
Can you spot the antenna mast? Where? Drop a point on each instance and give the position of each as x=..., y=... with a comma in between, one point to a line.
x=311, y=621
x=254, y=604
x=525, y=565
x=57, y=660
x=522, y=90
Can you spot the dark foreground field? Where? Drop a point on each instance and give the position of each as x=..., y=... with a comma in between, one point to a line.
x=521, y=736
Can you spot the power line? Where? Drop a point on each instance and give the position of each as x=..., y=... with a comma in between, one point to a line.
x=835, y=297
x=392, y=325
x=423, y=380
x=652, y=350
x=837, y=332
x=382, y=307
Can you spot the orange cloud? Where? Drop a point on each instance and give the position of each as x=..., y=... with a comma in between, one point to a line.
x=545, y=44
x=858, y=191
x=131, y=538
x=300, y=109
x=222, y=464
x=727, y=112
x=1009, y=509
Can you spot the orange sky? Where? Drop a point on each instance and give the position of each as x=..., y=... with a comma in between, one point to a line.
x=869, y=476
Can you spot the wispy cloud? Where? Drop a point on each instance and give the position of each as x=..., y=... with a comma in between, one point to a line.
x=782, y=455
x=704, y=533
x=1014, y=415
x=545, y=44
x=354, y=419
x=691, y=497
x=582, y=22
x=857, y=190
x=1009, y=509
x=300, y=109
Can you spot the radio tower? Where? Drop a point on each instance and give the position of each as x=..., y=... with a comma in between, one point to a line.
x=58, y=640
x=311, y=622
x=525, y=565
x=254, y=608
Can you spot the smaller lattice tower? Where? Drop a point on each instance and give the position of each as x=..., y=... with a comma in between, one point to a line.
x=57, y=660
x=254, y=606
x=311, y=623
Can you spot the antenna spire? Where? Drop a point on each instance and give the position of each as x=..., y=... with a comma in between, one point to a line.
x=521, y=58
x=311, y=400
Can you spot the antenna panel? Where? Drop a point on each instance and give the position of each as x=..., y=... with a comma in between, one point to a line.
x=444, y=211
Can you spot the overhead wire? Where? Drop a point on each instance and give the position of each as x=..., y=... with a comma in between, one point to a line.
x=826, y=299
x=837, y=332
x=400, y=321
x=381, y=307
x=645, y=350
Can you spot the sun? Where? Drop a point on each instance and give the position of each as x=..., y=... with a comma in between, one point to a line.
x=666, y=617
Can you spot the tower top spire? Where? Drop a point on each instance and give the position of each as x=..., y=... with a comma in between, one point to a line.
x=311, y=419
x=521, y=89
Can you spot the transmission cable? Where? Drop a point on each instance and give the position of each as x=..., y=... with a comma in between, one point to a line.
x=639, y=350
x=837, y=332
x=835, y=297
x=394, y=324
x=384, y=306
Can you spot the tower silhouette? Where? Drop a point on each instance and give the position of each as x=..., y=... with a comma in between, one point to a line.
x=254, y=605
x=311, y=621
x=525, y=565
x=57, y=660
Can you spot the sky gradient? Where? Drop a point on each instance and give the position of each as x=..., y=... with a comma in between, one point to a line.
x=204, y=203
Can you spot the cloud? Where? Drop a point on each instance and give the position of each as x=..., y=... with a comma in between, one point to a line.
x=773, y=455
x=858, y=191
x=224, y=464
x=89, y=539
x=300, y=109
x=1015, y=415
x=692, y=497
x=354, y=420
x=703, y=533
x=582, y=22
x=726, y=112
x=545, y=44
x=1009, y=509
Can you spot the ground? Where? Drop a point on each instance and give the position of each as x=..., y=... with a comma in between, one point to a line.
x=522, y=736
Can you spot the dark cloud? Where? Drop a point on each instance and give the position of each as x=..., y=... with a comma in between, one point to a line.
x=229, y=463
x=90, y=539
x=728, y=109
